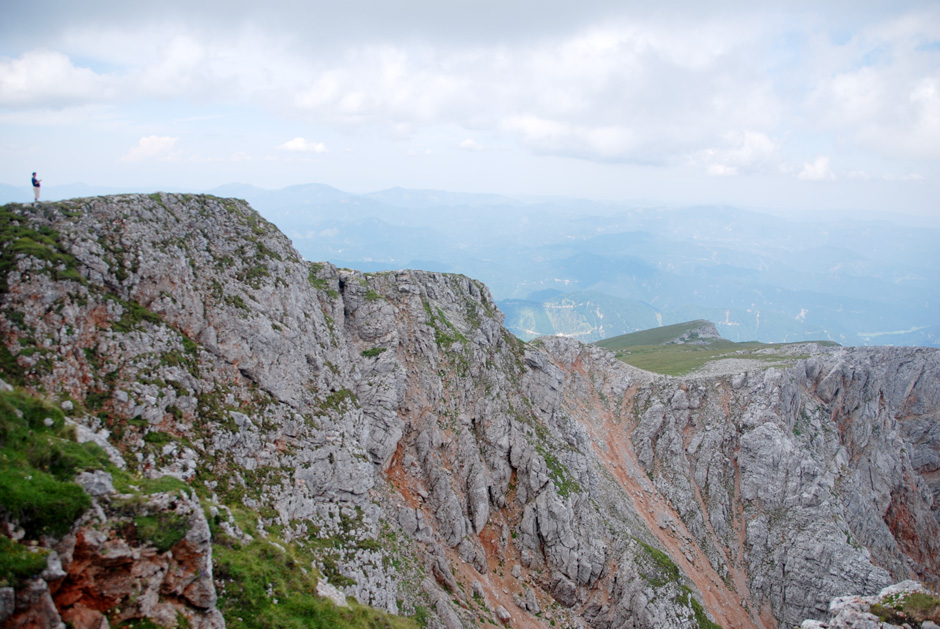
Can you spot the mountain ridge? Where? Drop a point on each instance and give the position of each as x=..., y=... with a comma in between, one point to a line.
x=851, y=280
x=392, y=438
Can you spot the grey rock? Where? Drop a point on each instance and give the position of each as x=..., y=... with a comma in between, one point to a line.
x=564, y=590
x=392, y=416
x=53, y=571
x=96, y=483
x=7, y=602
x=853, y=612
x=326, y=590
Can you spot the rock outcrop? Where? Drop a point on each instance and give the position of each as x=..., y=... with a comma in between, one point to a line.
x=905, y=604
x=386, y=428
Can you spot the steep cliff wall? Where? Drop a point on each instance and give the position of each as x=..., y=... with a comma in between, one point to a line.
x=387, y=434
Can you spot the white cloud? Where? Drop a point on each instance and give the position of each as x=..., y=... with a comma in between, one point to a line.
x=721, y=170
x=609, y=143
x=906, y=177
x=44, y=78
x=152, y=147
x=817, y=171
x=883, y=95
x=180, y=68
x=743, y=152
x=303, y=145
x=638, y=90
x=730, y=89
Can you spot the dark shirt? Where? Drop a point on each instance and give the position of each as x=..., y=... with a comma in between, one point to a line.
x=35, y=182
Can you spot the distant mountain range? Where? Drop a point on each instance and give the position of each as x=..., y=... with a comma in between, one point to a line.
x=592, y=270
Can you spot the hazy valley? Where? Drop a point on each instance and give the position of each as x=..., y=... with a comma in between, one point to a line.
x=591, y=271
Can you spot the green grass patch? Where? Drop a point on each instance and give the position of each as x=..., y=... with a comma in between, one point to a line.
x=372, y=353
x=667, y=570
x=38, y=460
x=701, y=618
x=254, y=275
x=654, y=336
x=127, y=483
x=340, y=401
x=158, y=439
x=10, y=369
x=134, y=314
x=913, y=609
x=317, y=282
x=163, y=530
x=445, y=333
x=41, y=503
x=19, y=563
x=18, y=239
x=262, y=587
x=320, y=283
x=565, y=485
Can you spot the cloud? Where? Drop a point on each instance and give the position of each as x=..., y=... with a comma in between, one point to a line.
x=884, y=96
x=303, y=145
x=743, y=152
x=732, y=89
x=180, y=67
x=471, y=145
x=721, y=170
x=817, y=171
x=152, y=147
x=608, y=143
x=625, y=91
x=45, y=78
x=861, y=175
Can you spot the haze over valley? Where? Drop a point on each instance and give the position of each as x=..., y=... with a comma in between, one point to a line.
x=595, y=270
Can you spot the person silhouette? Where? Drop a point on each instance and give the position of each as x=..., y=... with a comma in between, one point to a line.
x=36, y=183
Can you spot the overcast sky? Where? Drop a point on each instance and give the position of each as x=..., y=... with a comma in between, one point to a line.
x=803, y=105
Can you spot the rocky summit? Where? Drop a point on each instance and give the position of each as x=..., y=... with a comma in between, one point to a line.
x=201, y=429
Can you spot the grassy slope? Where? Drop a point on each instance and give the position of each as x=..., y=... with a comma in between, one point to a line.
x=652, y=350
x=653, y=336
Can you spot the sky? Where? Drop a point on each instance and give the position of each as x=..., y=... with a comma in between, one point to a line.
x=802, y=106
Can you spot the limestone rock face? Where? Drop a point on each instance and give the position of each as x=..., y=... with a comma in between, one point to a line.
x=435, y=463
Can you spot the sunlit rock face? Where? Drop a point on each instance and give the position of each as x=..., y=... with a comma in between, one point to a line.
x=426, y=461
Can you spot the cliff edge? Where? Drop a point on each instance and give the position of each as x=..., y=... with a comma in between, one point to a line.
x=383, y=433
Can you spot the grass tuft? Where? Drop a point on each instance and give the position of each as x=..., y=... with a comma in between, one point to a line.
x=38, y=460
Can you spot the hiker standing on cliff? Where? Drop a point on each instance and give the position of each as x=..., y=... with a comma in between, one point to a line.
x=36, y=183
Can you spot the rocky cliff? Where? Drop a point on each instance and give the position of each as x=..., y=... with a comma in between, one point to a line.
x=383, y=433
